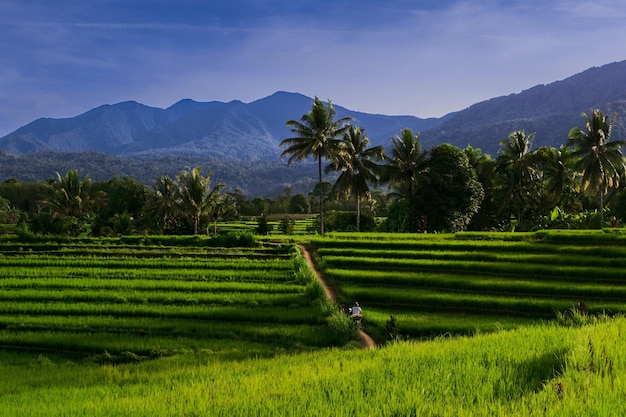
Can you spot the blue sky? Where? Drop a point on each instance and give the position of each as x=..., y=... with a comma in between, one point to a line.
x=425, y=58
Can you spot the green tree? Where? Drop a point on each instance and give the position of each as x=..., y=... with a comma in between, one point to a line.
x=196, y=195
x=8, y=213
x=164, y=204
x=325, y=190
x=122, y=223
x=287, y=225
x=220, y=205
x=317, y=135
x=406, y=166
x=70, y=195
x=404, y=170
x=299, y=204
x=517, y=175
x=559, y=177
x=358, y=166
x=600, y=159
x=452, y=195
x=487, y=217
x=71, y=202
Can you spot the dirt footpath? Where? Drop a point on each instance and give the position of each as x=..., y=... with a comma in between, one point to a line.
x=365, y=341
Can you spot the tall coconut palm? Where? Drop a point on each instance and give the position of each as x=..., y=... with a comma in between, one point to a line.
x=407, y=164
x=317, y=135
x=518, y=174
x=601, y=161
x=405, y=171
x=358, y=167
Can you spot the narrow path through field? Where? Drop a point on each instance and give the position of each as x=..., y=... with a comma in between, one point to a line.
x=365, y=341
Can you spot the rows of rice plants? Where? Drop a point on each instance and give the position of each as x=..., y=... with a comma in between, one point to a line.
x=90, y=298
x=301, y=224
x=472, y=277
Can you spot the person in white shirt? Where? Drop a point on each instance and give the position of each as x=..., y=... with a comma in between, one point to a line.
x=356, y=310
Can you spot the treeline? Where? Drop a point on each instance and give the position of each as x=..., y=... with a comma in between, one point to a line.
x=443, y=189
x=446, y=189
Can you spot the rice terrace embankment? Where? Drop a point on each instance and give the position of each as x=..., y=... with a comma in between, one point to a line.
x=365, y=340
x=483, y=324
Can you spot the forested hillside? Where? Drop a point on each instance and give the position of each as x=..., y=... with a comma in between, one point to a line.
x=549, y=110
x=258, y=178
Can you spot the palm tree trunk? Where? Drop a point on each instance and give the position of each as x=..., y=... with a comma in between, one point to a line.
x=319, y=170
x=601, y=206
x=358, y=213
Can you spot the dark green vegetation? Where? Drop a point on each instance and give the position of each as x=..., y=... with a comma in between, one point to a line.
x=119, y=300
x=468, y=282
x=443, y=189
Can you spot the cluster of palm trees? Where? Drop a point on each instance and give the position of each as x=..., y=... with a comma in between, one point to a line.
x=518, y=184
x=187, y=197
x=319, y=135
x=589, y=163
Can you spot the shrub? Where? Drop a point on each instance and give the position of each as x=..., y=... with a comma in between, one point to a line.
x=287, y=225
x=263, y=227
x=342, y=327
x=234, y=239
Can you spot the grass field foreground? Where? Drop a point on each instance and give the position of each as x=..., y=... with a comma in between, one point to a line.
x=541, y=370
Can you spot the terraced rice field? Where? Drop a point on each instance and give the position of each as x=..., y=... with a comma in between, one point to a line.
x=463, y=283
x=95, y=297
x=301, y=225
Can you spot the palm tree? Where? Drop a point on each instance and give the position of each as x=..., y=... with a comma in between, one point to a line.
x=71, y=202
x=407, y=164
x=518, y=176
x=557, y=170
x=70, y=196
x=601, y=161
x=405, y=170
x=358, y=167
x=317, y=135
x=195, y=197
x=164, y=204
x=218, y=204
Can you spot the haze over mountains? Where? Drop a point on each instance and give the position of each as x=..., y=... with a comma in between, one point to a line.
x=215, y=134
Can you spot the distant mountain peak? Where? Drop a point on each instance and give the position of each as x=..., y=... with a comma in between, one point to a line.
x=252, y=131
x=231, y=130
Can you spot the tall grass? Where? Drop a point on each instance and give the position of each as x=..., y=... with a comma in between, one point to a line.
x=532, y=371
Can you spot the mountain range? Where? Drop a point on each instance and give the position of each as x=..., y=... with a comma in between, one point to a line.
x=233, y=130
x=137, y=140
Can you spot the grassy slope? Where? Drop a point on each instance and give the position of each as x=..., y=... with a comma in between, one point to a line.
x=537, y=370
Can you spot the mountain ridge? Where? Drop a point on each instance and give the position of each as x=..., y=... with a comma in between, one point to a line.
x=549, y=110
x=225, y=134
x=227, y=130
